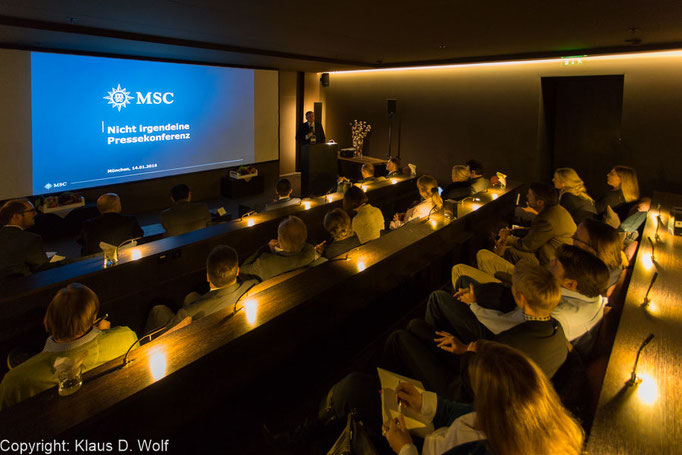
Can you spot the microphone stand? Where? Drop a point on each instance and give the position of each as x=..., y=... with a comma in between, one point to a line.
x=634, y=380
x=114, y=260
x=390, y=133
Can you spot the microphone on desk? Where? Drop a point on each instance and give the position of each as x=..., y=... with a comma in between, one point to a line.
x=653, y=249
x=150, y=334
x=651, y=284
x=633, y=376
x=120, y=245
x=658, y=224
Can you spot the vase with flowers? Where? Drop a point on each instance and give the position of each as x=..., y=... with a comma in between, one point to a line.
x=359, y=131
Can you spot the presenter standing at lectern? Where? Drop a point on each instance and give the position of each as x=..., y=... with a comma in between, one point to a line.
x=310, y=132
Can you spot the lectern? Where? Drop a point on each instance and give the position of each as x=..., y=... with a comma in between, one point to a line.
x=318, y=168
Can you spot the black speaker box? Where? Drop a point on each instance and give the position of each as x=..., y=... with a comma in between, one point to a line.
x=391, y=106
x=324, y=79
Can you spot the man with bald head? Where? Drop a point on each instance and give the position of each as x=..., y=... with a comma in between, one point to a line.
x=21, y=252
x=111, y=226
x=288, y=252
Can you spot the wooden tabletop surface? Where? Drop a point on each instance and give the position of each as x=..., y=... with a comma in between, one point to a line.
x=213, y=340
x=647, y=418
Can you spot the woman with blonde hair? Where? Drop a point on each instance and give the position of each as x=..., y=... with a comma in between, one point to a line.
x=625, y=191
x=431, y=201
x=573, y=194
x=461, y=184
x=516, y=411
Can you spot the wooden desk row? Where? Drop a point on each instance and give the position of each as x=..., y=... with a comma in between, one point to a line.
x=646, y=417
x=176, y=377
x=166, y=268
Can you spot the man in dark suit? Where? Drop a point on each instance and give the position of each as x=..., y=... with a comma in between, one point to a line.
x=310, y=132
x=283, y=190
x=184, y=216
x=21, y=252
x=222, y=269
x=110, y=227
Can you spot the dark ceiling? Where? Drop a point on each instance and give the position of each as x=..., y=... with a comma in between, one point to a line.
x=321, y=36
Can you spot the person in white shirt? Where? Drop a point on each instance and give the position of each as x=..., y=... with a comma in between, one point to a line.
x=583, y=278
x=516, y=411
x=431, y=201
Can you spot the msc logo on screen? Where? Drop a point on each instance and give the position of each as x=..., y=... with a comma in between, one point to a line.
x=119, y=97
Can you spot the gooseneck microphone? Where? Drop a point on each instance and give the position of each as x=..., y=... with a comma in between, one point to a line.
x=633, y=376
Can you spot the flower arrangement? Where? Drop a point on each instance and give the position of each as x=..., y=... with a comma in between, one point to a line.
x=359, y=131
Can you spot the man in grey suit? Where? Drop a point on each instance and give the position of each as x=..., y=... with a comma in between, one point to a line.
x=551, y=228
x=184, y=216
x=21, y=252
x=222, y=269
x=288, y=252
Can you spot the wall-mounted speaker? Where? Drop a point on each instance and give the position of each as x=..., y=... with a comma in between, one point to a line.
x=324, y=79
x=391, y=106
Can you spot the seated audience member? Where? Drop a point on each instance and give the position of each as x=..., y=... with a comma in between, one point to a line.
x=573, y=195
x=337, y=223
x=604, y=242
x=184, y=216
x=393, y=167
x=367, y=171
x=583, y=278
x=222, y=270
x=368, y=222
x=283, y=192
x=535, y=291
x=431, y=201
x=21, y=252
x=552, y=227
x=515, y=411
x=460, y=186
x=473, y=273
x=75, y=333
x=478, y=182
x=288, y=252
x=110, y=227
x=625, y=191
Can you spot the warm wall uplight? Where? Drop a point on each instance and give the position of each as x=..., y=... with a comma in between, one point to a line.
x=250, y=222
x=561, y=60
x=135, y=254
x=251, y=309
x=157, y=364
x=647, y=390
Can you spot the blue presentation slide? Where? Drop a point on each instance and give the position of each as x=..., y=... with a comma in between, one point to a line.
x=99, y=121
